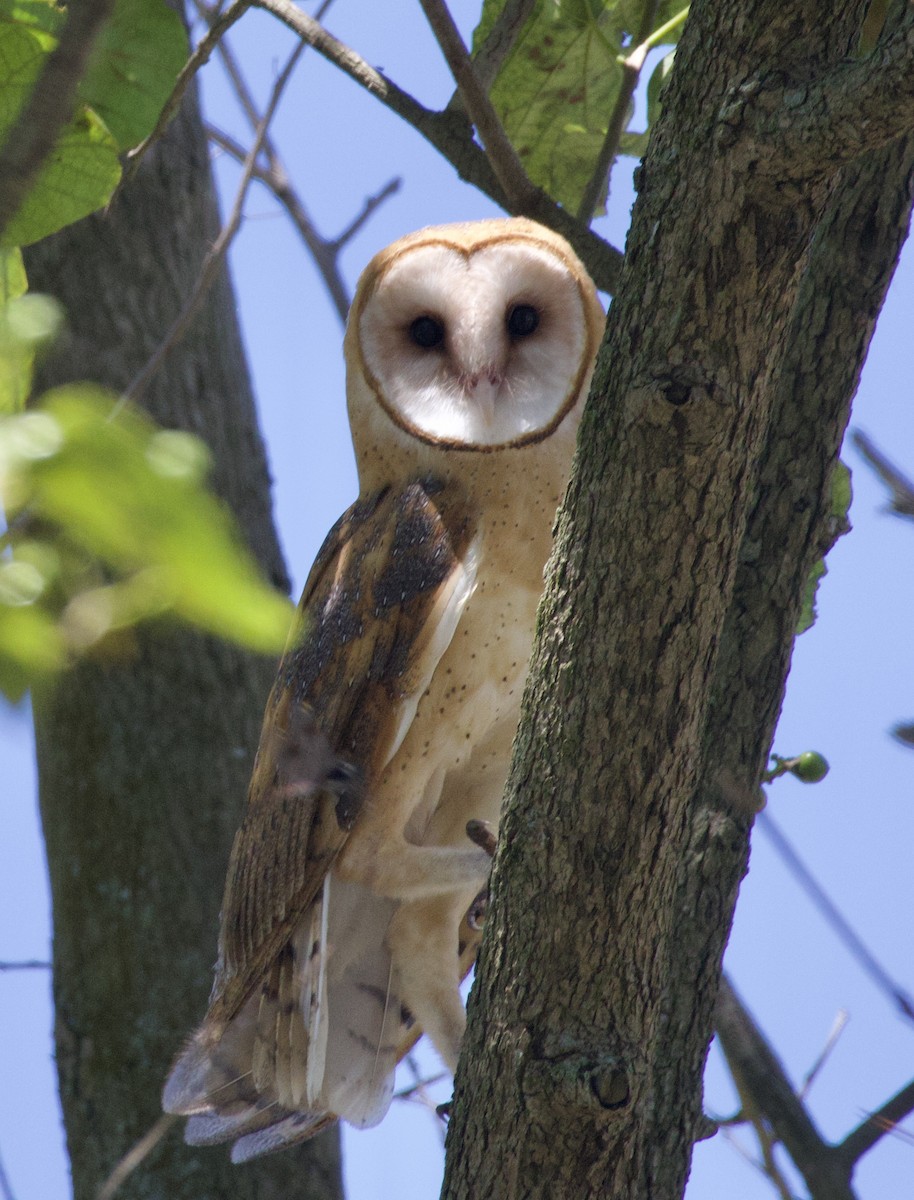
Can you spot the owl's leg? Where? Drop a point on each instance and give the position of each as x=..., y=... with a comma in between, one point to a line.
x=403, y=871
x=422, y=940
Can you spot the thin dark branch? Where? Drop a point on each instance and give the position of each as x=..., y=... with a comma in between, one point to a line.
x=371, y=204
x=320, y=250
x=276, y=178
x=855, y=944
x=449, y=133
x=491, y=55
x=50, y=105
x=29, y=964
x=506, y=164
x=901, y=488
x=631, y=73
x=877, y=1125
x=221, y=23
x=6, y=1189
x=220, y=247
x=752, y=1060
x=838, y=1027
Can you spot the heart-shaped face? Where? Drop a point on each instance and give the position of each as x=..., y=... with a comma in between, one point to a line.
x=475, y=337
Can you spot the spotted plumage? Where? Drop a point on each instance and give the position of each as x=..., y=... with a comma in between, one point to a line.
x=344, y=927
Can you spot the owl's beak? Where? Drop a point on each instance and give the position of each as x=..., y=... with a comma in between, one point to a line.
x=483, y=390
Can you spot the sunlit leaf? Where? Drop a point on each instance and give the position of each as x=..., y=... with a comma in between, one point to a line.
x=13, y=281
x=78, y=177
x=134, y=67
x=557, y=88
x=40, y=16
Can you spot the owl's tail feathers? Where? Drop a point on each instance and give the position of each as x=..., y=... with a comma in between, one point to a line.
x=317, y=1041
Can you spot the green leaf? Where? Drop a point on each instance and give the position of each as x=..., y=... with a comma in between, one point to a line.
x=134, y=67
x=41, y=16
x=78, y=177
x=31, y=648
x=130, y=495
x=556, y=90
x=13, y=281
x=655, y=85
x=26, y=324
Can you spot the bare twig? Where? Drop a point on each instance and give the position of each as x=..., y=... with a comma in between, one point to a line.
x=29, y=964
x=855, y=944
x=50, y=105
x=135, y=1156
x=448, y=133
x=751, y=1114
x=220, y=24
x=755, y=1064
x=838, y=1027
x=618, y=118
x=369, y=206
x=506, y=164
x=877, y=1125
x=6, y=1188
x=900, y=487
x=214, y=258
x=324, y=251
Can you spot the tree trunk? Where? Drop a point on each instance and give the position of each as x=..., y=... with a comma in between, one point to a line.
x=699, y=502
x=144, y=761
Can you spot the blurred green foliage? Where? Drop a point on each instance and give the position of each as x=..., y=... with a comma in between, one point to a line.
x=108, y=518
x=109, y=524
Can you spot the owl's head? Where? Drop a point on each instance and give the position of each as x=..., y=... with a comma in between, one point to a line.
x=471, y=337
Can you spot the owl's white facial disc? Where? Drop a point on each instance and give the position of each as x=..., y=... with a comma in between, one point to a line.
x=476, y=349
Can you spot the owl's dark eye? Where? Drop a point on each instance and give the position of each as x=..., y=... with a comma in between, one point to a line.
x=522, y=320
x=426, y=332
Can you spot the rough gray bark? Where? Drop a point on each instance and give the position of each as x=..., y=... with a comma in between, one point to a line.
x=698, y=504
x=144, y=760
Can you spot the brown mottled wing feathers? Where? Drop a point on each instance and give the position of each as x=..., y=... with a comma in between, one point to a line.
x=366, y=617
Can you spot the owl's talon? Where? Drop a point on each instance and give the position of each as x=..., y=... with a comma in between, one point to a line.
x=476, y=913
x=482, y=834
x=444, y=1111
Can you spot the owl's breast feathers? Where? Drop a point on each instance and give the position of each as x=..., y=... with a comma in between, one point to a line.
x=379, y=609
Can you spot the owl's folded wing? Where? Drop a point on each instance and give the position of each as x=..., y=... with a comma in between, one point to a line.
x=379, y=609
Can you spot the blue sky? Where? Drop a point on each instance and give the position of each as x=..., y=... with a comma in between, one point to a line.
x=851, y=679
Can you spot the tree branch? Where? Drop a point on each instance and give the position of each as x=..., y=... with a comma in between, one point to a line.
x=449, y=133
x=855, y=944
x=758, y=1067
x=275, y=176
x=800, y=130
x=220, y=24
x=220, y=247
x=901, y=488
x=501, y=154
x=324, y=251
x=488, y=60
x=631, y=73
x=50, y=105
x=877, y=1125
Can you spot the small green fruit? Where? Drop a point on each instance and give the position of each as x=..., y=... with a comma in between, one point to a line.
x=810, y=767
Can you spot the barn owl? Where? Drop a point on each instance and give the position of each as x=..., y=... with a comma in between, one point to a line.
x=344, y=931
